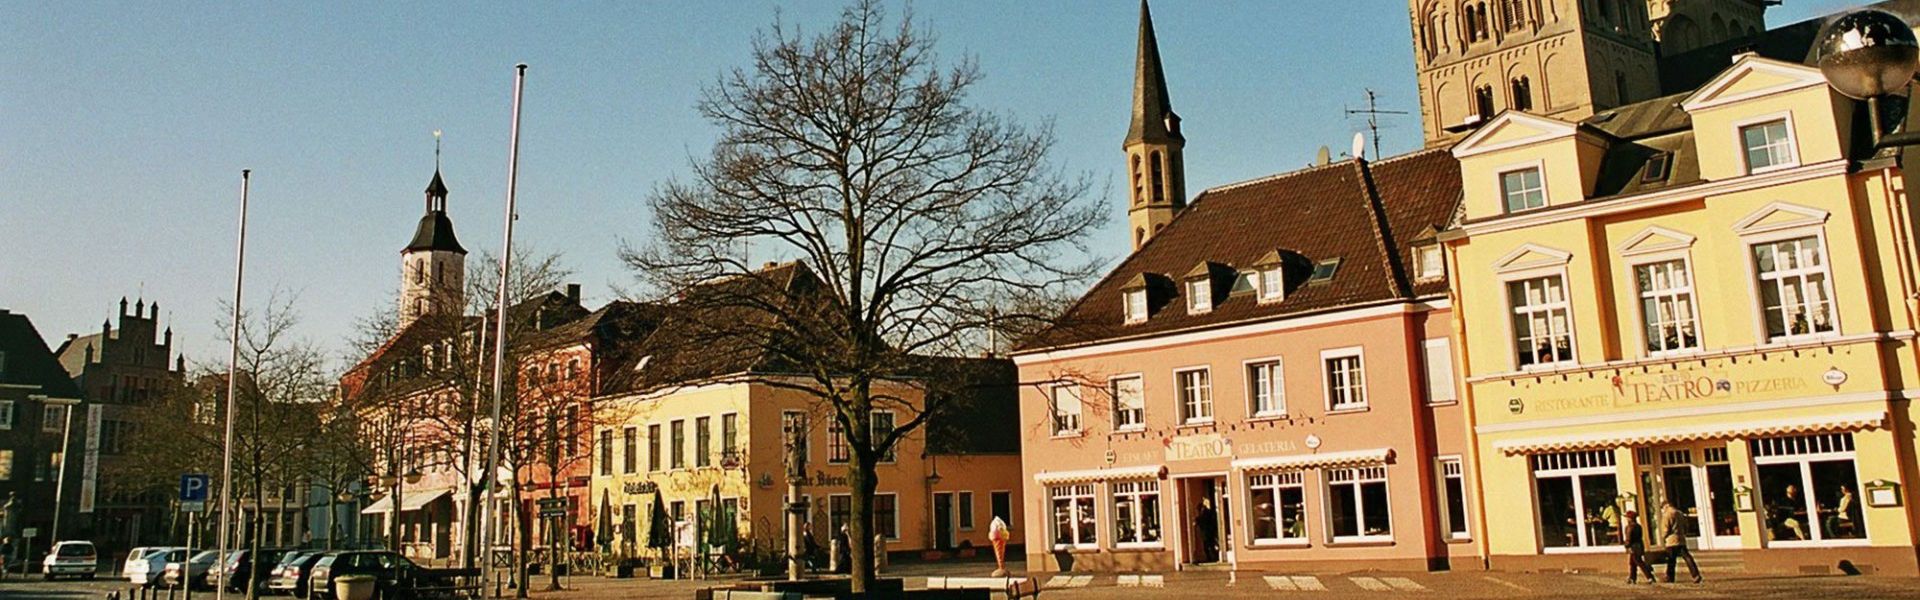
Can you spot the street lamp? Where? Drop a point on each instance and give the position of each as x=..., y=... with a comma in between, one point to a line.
x=1868, y=55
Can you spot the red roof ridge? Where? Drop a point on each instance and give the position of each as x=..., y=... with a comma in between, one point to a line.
x=1381, y=229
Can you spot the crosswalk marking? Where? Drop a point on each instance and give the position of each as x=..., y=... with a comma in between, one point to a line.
x=1505, y=583
x=1153, y=581
x=1128, y=581
x=1370, y=584
x=1058, y=582
x=1404, y=584
x=1309, y=583
x=1080, y=581
x=1281, y=583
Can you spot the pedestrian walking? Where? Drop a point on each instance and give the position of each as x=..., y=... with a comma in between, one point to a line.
x=1634, y=537
x=1673, y=533
x=1207, y=523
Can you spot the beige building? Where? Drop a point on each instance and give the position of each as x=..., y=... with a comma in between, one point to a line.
x=1565, y=59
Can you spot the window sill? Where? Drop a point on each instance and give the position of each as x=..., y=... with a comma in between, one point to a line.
x=1207, y=424
x=1771, y=168
x=1443, y=403
x=1360, y=542
x=1459, y=539
x=1140, y=547
x=1348, y=411
x=1128, y=429
x=1257, y=417
x=1076, y=549
x=1279, y=544
x=1067, y=435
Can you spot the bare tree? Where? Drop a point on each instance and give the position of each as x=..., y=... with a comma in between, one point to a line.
x=927, y=221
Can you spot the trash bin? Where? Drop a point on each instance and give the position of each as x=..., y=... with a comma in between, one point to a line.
x=353, y=587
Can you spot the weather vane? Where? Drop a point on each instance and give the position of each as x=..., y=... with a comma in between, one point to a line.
x=436, y=149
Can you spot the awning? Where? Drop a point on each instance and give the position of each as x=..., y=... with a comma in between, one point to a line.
x=1091, y=475
x=1667, y=435
x=409, y=501
x=1344, y=458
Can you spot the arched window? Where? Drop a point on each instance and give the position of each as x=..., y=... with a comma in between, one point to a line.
x=1512, y=15
x=1483, y=102
x=1480, y=20
x=1522, y=94
x=1139, y=236
x=1139, y=193
x=420, y=271
x=419, y=306
x=1620, y=86
x=1158, y=189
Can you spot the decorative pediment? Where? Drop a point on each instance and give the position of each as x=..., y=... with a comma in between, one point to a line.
x=1531, y=256
x=1512, y=129
x=1752, y=77
x=1655, y=239
x=1777, y=216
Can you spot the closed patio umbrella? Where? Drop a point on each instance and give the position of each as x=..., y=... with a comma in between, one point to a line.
x=659, y=529
x=605, y=537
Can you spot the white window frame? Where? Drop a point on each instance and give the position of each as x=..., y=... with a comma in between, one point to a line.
x=1134, y=304
x=1439, y=346
x=1181, y=395
x=6, y=415
x=1513, y=335
x=1276, y=387
x=1277, y=480
x=1273, y=284
x=1793, y=141
x=1819, y=234
x=1420, y=255
x=1358, y=353
x=1113, y=389
x=1805, y=462
x=1073, y=492
x=1372, y=474
x=1691, y=289
x=1058, y=412
x=1199, y=292
x=1135, y=491
x=1466, y=497
x=1500, y=184
x=875, y=435
x=1573, y=474
x=49, y=424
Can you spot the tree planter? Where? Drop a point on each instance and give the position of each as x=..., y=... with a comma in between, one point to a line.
x=353, y=587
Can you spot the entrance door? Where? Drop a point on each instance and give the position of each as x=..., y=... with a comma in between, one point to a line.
x=1205, y=534
x=943, y=520
x=1699, y=483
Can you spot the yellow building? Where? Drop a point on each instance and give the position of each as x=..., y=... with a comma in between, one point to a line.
x=1706, y=300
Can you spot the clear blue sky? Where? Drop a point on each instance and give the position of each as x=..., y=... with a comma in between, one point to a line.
x=124, y=126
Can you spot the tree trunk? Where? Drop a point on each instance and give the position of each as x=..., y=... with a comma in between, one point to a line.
x=523, y=531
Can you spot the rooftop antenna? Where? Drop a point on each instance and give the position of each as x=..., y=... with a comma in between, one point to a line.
x=1373, y=112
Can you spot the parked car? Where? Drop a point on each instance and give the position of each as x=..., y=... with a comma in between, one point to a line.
x=192, y=572
x=76, y=558
x=395, y=577
x=290, y=577
x=146, y=569
x=240, y=569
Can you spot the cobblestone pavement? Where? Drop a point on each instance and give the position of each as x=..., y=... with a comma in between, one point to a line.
x=1360, y=585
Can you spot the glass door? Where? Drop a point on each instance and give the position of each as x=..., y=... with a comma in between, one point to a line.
x=1722, y=518
x=1681, y=485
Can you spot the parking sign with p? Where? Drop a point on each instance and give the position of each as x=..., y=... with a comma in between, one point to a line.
x=193, y=492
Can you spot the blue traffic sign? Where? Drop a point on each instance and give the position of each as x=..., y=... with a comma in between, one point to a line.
x=193, y=487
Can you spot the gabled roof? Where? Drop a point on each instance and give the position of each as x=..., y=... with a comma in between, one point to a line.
x=1354, y=211
x=715, y=330
x=73, y=352
x=1752, y=76
x=28, y=361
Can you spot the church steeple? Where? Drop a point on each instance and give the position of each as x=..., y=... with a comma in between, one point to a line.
x=433, y=265
x=1157, y=174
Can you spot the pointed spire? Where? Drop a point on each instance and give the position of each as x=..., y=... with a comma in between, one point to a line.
x=436, y=189
x=1153, y=116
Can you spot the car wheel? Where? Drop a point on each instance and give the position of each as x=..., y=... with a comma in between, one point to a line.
x=88, y=577
x=47, y=576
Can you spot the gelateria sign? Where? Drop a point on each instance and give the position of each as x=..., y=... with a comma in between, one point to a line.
x=1632, y=389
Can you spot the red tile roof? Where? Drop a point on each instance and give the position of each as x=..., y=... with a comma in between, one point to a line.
x=1353, y=211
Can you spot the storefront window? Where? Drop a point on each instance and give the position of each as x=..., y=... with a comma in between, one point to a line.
x=839, y=511
x=1357, y=501
x=1073, y=524
x=1578, y=499
x=1279, y=507
x=1136, y=513
x=1809, y=488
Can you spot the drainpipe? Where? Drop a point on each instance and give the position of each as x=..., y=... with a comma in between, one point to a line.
x=1467, y=406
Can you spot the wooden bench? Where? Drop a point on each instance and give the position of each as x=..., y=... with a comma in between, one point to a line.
x=1013, y=587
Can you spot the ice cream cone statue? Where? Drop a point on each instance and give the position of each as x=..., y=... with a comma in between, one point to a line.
x=998, y=534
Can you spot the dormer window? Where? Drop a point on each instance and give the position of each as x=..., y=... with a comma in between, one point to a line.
x=1428, y=263
x=1323, y=271
x=1658, y=166
x=1136, y=305
x=1523, y=189
x=1273, y=284
x=1768, y=145
x=1199, y=296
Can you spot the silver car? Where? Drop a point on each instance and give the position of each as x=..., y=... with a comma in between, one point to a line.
x=145, y=565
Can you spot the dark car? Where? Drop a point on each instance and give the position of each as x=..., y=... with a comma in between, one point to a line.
x=240, y=569
x=290, y=577
x=394, y=575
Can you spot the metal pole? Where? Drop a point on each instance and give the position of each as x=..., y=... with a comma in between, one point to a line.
x=500, y=306
x=60, y=479
x=233, y=365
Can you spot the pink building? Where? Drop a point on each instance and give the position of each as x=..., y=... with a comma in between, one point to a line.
x=1265, y=383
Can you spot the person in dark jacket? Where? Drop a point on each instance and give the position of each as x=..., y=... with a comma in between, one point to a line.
x=1634, y=537
x=1207, y=523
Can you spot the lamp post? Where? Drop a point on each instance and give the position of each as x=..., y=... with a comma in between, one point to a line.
x=1869, y=55
x=60, y=478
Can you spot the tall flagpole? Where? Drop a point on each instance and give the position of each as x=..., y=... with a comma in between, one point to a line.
x=500, y=323
x=233, y=366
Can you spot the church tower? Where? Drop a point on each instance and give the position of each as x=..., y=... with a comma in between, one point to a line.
x=1157, y=182
x=433, y=266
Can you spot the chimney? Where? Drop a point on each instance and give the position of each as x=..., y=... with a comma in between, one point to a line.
x=573, y=293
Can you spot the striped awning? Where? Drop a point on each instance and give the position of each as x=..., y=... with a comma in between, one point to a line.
x=1708, y=431
x=409, y=501
x=1344, y=458
x=1092, y=475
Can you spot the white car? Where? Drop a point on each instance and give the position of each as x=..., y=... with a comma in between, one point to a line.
x=71, y=558
x=144, y=565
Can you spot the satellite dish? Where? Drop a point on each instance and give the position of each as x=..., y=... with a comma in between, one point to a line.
x=1323, y=157
x=1359, y=145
